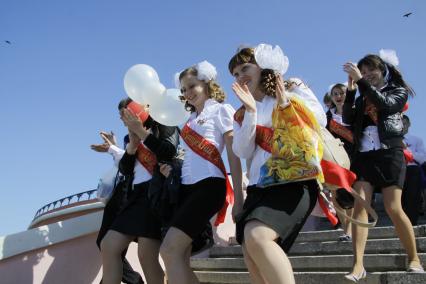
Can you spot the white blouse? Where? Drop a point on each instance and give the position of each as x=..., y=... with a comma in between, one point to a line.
x=140, y=173
x=212, y=123
x=370, y=140
x=244, y=145
x=337, y=117
x=116, y=153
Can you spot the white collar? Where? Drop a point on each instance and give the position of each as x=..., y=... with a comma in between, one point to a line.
x=209, y=105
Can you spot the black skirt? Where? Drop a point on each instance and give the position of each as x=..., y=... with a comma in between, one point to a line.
x=284, y=208
x=200, y=202
x=136, y=218
x=381, y=168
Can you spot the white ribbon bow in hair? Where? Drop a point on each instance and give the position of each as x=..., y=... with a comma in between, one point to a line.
x=271, y=58
x=332, y=86
x=205, y=72
x=389, y=56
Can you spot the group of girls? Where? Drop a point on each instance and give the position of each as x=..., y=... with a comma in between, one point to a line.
x=278, y=202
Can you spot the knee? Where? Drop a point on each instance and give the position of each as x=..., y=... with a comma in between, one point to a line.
x=252, y=240
x=169, y=251
x=359, y=210
x=393, y=209
x=108, y=247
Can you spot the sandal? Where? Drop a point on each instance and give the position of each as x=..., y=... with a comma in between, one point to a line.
x=344, y=238
x=356, y=278
x=415, y=269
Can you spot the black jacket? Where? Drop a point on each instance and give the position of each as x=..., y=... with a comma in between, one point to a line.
x=389, y=103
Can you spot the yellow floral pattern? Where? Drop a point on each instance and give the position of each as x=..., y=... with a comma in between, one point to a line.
x=296, y=146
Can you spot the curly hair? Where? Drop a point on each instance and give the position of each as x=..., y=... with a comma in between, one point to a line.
x=214, y=90
x=268, y=77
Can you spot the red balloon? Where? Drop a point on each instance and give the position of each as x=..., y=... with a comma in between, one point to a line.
x=138, y=110
x=405, y=107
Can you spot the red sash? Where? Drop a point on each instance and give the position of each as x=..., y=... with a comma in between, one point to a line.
x=263, y=134
x=371, y=110
x=209, y=152
x=264, y=137
x=146, y=158
x=341, y=130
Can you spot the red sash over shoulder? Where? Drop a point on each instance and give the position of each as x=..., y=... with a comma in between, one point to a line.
x=263, y=134
x=341, y=130
x=146, y=158
x=209, y=152
x=371, y=111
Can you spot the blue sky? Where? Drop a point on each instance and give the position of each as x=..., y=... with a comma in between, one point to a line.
x=62, y=75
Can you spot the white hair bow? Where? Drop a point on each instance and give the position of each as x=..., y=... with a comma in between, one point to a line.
x=271, y=58
x=389, y=56
x=205, y=72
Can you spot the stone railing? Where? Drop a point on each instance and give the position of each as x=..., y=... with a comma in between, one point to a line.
x=66, y=202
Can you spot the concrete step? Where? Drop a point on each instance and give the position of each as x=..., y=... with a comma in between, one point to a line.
x=373, y=262
x=394, y=277
x=373, y=233
x=378, y=246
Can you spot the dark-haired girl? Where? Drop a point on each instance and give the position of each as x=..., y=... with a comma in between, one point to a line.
x=378, y=159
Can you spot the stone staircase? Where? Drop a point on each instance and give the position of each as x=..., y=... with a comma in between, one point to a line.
x=317, y=257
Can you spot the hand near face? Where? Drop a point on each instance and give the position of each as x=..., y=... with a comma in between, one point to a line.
x=134, y=124
x=244, y=96
x=352, y=71
x=280, y=92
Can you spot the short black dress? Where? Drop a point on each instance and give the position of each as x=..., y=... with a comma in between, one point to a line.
x=136, y=218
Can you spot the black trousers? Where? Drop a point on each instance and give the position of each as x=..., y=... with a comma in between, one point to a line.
x=110, y=212
x=412, y=193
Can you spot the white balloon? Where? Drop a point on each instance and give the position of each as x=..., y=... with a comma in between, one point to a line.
x=136, y=78
x=152, y=92
x=170, y=110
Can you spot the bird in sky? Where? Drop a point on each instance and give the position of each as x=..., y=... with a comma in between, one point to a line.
x=407, y=15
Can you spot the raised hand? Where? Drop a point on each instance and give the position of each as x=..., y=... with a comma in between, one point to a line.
x=101, y=148
x=352, y=71
x=244, y=95
x=109, y=138
x=280, y=92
